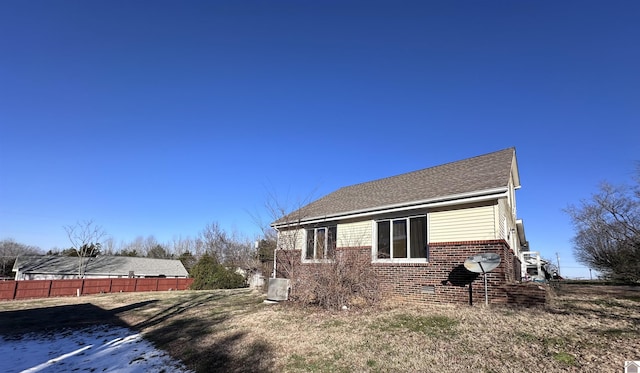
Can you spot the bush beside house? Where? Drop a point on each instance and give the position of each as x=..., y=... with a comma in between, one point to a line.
x=208, y=274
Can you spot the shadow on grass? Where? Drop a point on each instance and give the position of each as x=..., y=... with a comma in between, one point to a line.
x=201, y=346
x=606, y=310
x=198, y=330
x=202, y=340
x=600, y=302
x=176, y=310
x=50, y=319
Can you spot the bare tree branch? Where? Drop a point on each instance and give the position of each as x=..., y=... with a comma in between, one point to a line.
x=608, y=231
x=85, y=237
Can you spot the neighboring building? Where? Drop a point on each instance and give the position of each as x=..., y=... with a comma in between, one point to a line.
x=65, y=267
x=534, y=268
x=418, y=228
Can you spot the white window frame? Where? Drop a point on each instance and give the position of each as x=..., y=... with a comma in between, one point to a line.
x=324, y=258
x=374, y=246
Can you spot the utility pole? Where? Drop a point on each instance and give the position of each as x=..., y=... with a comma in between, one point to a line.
x=558, y=260
x=590, y=277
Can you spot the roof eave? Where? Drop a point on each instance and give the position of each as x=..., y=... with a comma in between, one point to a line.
x=454, y=199
x=515, y=172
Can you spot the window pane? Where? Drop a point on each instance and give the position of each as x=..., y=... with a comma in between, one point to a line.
x=331, y=242
x=418, y=241
x=384, y=240
x=309, y=252
x=400, y=238
x=320, y=243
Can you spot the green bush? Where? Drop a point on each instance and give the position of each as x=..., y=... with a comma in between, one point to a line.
x=208, y=274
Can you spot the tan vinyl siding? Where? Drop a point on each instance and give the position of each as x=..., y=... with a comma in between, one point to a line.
x=503, y=214
x=291, y=239
x=512, y=197
x=508, y=224
x=463, y=224
x=355, y=234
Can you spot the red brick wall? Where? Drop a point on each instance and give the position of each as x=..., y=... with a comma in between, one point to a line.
x=443, y=279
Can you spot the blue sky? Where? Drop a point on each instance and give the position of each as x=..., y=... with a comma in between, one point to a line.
x=157, y=118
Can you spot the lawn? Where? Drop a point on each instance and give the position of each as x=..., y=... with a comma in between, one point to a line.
x=583, y=328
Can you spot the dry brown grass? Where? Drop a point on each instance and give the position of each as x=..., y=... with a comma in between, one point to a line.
x=583, y=329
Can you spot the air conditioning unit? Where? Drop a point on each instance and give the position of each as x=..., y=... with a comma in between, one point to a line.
x=278, y=289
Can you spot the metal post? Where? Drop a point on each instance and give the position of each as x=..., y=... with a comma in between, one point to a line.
x=486, y=295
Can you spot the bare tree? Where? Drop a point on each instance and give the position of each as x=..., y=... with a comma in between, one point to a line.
x=149, y=244
x=215, y=241
x=10, y=250
x=199, y=247
x=231, y=250
x=287, y=218
x=241, y=253
x=109, y=246
x=187, y=251
x=180, y=245
x=85, y=237
x=608, y=231
x=133, y=248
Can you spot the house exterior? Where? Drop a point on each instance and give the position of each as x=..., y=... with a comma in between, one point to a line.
x=51, y=267
x=416, y=230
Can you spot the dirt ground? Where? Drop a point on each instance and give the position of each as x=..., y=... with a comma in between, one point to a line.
x=582, y=328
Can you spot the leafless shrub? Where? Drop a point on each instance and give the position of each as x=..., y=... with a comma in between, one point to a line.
x=346, y=281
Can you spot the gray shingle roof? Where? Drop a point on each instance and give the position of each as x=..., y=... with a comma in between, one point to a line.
x=470, y=175
x=101, y=265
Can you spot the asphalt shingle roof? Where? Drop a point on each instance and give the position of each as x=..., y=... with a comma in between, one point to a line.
x=475, y=174
x=102, y=265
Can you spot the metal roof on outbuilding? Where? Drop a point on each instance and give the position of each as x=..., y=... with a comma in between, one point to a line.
x=100, y=266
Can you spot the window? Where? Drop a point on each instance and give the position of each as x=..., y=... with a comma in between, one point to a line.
x=321, y=243
x=404, y=238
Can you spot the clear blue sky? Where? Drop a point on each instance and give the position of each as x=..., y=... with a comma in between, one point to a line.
x=156, y=118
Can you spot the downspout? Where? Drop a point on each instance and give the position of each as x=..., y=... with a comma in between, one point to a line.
x=275, y=251
x=275, y=255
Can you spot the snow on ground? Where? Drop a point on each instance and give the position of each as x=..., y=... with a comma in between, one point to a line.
x=101, y=348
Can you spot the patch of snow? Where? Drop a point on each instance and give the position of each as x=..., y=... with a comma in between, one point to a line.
x=100, y=348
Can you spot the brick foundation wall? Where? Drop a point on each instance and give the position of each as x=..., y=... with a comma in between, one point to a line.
x=525, y=294
x=443, y=279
